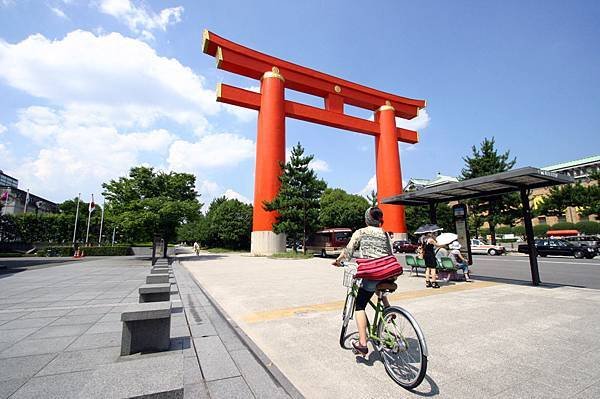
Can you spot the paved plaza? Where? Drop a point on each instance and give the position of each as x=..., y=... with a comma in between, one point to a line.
x=60, y=337
x=490, y=338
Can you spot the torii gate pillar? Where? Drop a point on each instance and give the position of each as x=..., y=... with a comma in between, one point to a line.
x=387, y=167
x=270, y=153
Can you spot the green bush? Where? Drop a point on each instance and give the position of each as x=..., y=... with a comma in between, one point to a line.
x=504, y=230
x=117, y=250
x=10, y=255
x=540, y=230
x=519, y=230
x=588, y=227
x=55, y=251
x=563, y=226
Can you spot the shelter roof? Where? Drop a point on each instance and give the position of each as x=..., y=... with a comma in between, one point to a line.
x=485, y=186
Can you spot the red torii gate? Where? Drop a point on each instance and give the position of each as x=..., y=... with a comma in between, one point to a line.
x=275, y=75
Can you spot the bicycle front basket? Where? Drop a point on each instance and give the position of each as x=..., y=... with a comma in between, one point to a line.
x=349, y=273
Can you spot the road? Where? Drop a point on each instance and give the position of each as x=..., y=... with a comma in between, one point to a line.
x=555, y=270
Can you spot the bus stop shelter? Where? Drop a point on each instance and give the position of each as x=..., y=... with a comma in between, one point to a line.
x=521, y=180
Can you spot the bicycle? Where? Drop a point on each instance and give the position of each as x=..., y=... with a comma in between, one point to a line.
x=394, y=333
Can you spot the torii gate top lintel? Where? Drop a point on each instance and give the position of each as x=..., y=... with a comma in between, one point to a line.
x=336, y=92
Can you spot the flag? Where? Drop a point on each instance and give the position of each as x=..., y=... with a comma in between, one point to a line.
x=4, y=196
x=92, y=205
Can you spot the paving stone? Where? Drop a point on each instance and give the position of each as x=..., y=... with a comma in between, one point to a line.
x=46, y=313
x=195, y=391
x=80, y=360
x=110, y=326
x=90, y=341
x=8, y=316
x=27, y=323
x=8, y=387
x=161, y=373
x=16, y=335
x=60, y=331
x=192, y=374
x=37, y=346
x=90, y=310
x=60, y=386
x=214, y=359
x=591, y=392
x=258, y=379
x=230, y=388
x=69, y=320
x=23, y=367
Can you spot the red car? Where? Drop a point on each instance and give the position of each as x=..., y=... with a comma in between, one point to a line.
x=404, y=246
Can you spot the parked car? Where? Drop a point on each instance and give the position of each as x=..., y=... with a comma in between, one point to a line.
x=479, y=246
x=560, y=247
x=585, y=241
x=404, y=246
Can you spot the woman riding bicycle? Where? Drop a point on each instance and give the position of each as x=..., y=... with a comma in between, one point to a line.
x=371, y=242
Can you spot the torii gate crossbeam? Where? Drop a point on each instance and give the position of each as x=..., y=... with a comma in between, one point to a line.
x=276, y=75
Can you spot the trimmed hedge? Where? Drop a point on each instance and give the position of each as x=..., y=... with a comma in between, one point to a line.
x=540, y=230
x=563, y=226
x=588, y=227
x=118, y=250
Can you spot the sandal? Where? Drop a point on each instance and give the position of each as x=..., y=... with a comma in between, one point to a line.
x=427, y=284
x=358, y=349
x=435, y=285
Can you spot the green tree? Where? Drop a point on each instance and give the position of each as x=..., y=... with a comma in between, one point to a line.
x=503, y=209
x=340, y=209
x=415, y=216
x=229, y=223
x=149, y=202
x=297, y=201
x=559, y=198
x=372, y=198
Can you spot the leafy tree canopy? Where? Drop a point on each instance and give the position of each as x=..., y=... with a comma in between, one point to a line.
x=340, y=209
x=149, y=202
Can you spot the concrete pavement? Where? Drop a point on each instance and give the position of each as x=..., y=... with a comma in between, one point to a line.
x=486, y=339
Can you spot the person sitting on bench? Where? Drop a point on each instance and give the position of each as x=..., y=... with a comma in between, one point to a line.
x=459, y=260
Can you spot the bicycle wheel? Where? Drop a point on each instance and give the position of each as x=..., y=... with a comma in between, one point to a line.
x=346, y=317
x=402, y=347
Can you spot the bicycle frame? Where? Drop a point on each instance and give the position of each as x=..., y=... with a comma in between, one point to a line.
x=378, y=308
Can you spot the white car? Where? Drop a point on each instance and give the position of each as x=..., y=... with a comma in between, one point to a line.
x=481, y=247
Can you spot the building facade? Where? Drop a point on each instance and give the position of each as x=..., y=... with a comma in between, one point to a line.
x=15, y=201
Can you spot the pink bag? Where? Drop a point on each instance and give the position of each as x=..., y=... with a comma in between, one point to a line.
x=379, y=268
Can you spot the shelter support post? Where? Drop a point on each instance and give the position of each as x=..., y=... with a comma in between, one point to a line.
x=533, y=264
x=270, y=153
x=389, y=177
x=432, y=213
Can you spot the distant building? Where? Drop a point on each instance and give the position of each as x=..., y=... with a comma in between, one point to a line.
x=419, y=184
x=7, y=181
x=13, y=199
x=578, y=169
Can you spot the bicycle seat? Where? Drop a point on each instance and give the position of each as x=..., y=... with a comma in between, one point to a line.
x=386, y=286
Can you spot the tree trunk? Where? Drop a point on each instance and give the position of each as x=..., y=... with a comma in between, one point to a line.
x=493, y=233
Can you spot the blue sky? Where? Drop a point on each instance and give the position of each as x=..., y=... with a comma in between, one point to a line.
x=89, y=88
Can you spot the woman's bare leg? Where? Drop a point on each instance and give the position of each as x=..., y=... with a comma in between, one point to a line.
x=361, y=324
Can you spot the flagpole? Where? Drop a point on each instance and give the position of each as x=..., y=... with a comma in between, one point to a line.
x=76, y=217
x=90, y=209
x=26, y=201
x=101, y=222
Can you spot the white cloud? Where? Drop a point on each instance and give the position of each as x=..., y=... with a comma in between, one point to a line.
x=2, y=128
x=140, y=19
x=59, y=13
x=371, y=186
x=110, y=78
x=209, y=190
x=230, y=194
x=418, y=123
x=210, y=151
x=319, y=165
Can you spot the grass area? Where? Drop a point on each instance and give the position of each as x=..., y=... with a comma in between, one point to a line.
x=219, y=250
x=292, y=255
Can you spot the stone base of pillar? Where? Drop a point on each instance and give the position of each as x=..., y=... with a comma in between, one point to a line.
x=398, y=236
x=266, y=243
